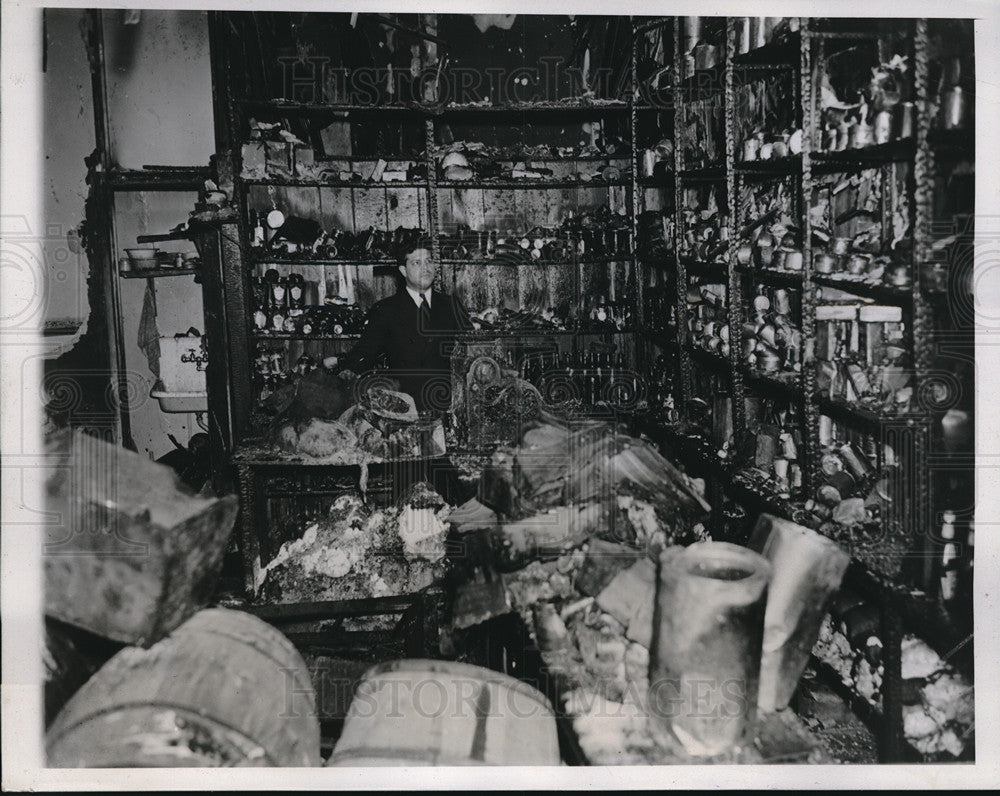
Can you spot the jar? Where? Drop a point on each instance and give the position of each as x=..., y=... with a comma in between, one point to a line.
x=883, y=127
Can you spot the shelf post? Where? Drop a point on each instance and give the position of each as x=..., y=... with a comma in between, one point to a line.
x=683, y=386
x=735, y=309
x=922, y=333
x=811, y=456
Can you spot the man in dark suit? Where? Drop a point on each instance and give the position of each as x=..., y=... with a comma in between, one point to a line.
x=415, y=329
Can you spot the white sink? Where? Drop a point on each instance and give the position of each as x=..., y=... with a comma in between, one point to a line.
x=181, y=401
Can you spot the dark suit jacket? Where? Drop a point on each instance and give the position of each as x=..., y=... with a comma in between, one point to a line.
x=420, y=358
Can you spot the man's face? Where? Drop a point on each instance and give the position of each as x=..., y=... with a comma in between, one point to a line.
x=419, y=270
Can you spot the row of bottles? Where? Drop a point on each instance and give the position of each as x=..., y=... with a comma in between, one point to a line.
x=321, y=321
x=289, y=305
x=272, y=373
x=592, y=378
x=556, y=245
x=955, y=562
x=306, y=238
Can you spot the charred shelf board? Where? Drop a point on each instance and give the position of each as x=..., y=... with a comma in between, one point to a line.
x=666, y=181
x=613, y=258
x=567, y=106
x=861, y=707
x=278, y=106
x=784, y=51
x=887, y=294
x=298, y=182
x=868, y=157
x=156, y=273
x=708, y=359
x=774, y=167
x=264, y=258
x=524, y=184
x=700, y=268
x=301, y=336
x=788, y=386
x=761, y=492
x=487, y=334
x=162, y=179
x=705, y=173
x=860, y=416
x=774, y=277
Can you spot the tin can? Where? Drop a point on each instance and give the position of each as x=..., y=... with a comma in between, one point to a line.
x=744, y=41
x=883, y=127
x=824, y=262
x=904, y=116
x=825, y=430
x=744, y=253
x=953, y=109
x=758, y=32
x=829, y=139
x=692, y=31
x=793, y=260
x=831, y=463
x=841, y=245
x=836, y=488
x=794, y=476
x=788, y=448
x=855, y=461
x=858, y=263
x=649, y=159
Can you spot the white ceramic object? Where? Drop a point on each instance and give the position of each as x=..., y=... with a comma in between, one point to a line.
x=181, y=401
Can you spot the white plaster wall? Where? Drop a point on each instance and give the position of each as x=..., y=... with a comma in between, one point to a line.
x=159, y=88
x=68, y=137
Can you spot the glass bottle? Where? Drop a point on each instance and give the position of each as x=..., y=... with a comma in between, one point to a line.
x=949, y=559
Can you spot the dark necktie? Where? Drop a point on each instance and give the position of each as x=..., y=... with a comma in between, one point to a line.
x=425, y=313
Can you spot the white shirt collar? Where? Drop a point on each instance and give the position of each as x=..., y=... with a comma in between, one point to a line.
x=415, y=295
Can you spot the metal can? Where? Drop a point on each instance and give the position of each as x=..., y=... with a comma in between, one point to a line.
x=953, y=109
x=855, y=461
x=831, y=464
x=905, y=114
x=883, y=127
x=744, y=28
x=825, y=430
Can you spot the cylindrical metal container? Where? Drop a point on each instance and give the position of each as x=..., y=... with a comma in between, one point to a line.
x=904, y=115
x=440, y=713
x=224, y=689
x=953, y=108
x=708, y=630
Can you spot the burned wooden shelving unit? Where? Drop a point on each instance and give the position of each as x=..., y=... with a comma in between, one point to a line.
x=332, y=178
x=768, y=288
x=761, y=251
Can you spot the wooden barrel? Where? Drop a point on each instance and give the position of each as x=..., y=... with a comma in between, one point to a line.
x=224, y=689
x=438, y=713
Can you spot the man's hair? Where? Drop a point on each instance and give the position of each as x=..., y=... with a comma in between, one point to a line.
x=409, y=245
